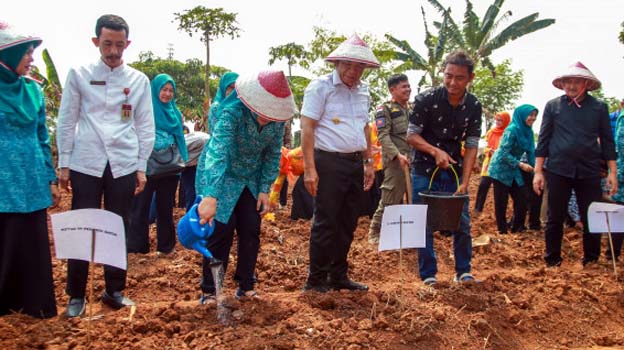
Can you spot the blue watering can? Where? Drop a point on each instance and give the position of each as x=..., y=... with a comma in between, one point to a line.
x=193, y=235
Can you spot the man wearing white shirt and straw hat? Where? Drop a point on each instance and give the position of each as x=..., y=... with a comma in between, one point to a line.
x=336, y=149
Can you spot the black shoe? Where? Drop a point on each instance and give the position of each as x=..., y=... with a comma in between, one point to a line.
x=315, y=287
x=589, y=261
x=535, y=227
x=347, y=284
x=75, y=308
x=116, y=301
x=556, y=262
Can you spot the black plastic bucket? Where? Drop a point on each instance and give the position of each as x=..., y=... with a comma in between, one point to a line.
x=444, y=209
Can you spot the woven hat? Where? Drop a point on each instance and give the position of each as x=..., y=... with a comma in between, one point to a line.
x=578, y=70
x=8, y=37
x=267, y=94
x=354, y=49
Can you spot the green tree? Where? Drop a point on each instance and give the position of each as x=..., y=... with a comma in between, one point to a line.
x=189, y=78
x=480, y=37
x=498, y=93
x=210, y=24
x=612, y=102
x=292, y=52
x=412, y=60
x=621, y=37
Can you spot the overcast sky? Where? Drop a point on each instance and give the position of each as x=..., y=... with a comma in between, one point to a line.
x=584, y=30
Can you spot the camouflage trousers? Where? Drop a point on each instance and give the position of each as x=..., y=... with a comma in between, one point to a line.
x=393, y=189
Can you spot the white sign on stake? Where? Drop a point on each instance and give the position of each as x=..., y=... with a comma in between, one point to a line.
x=414, y=221
x=73, y=231
x=596, y=217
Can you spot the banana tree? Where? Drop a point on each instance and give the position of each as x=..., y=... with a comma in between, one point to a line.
x=412, y=60
x=480, y=37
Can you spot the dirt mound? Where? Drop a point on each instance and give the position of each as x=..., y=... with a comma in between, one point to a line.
x=518, y=304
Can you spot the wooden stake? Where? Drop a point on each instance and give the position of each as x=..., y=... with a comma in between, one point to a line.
x=611, y=245
x=408, y=185
x=91, y=263
x=401, y=255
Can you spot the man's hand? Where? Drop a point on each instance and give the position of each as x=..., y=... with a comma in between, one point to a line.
x=311, y=180
x=141, y=180
x=56, y=195
x=538, y=183
x=64, y=179
x=207, y=209
x=403, y=160
x=463, y=189
x=369, y=176
x=443, y=160
x=263, y=204
x=612, y=183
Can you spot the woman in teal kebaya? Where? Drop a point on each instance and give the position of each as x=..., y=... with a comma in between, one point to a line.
x=240, y=163
x=27, y=184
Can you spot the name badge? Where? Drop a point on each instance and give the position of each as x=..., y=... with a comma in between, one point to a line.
x=126, y=111
x=97, y=82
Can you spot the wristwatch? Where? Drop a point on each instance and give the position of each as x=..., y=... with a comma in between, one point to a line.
x=368, y=161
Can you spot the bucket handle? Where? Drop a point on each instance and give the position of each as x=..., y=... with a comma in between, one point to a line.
x=438, y=168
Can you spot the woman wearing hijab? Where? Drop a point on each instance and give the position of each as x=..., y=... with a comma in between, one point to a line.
x=493, y=136
x=27, y=184
x=241, y=160
x=506, y=168
x=168, y=121
x=197, y=139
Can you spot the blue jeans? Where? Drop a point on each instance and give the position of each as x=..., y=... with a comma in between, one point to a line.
x=462, y=242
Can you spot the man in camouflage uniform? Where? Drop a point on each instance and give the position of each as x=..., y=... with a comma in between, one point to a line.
x=392, y=120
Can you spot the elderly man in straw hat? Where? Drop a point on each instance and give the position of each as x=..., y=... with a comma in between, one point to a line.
x=336, y=150
x=574, y=137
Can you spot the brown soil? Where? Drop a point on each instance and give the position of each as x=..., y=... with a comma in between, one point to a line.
x=519, y=304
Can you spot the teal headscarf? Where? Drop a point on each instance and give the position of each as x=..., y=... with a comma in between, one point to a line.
x=523, y=133
x=167, y=116
x=227, y=79
x=20, y=97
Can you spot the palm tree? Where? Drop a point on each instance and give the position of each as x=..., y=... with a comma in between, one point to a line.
x=477, y=36
x=413, y=60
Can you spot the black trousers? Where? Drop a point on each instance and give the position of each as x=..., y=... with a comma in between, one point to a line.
x=501, y=197
x=534, y=202
x=283, y=195
x=302, y=201
x=246, y=220
x=336, y=211
x=484, y=188
x=559, y=189
x=138, y=236
x=26, y=283
x=87, y=192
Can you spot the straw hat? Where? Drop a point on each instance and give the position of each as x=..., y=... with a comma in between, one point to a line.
x=354, y=49
x=8, y=37
x=268, y=94
x=578, y=70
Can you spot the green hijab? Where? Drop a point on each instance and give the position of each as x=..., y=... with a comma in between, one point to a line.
x=167, y=116
x=227, y=79
x=19, y=97
x=523, y=132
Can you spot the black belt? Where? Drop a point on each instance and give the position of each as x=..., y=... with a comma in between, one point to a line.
x=351, y=156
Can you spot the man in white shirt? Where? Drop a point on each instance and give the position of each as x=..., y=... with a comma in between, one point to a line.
x=105, y=134
x=336, y=149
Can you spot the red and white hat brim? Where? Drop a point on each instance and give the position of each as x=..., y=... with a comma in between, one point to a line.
x=9, y=38
x=260, y=101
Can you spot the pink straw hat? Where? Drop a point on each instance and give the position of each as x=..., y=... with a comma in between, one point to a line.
x=578, y=70
x=354, y=49
x=267, y=94
x=9, y=38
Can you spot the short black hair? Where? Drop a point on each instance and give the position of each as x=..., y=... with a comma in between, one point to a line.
x=395, y=79
x=460, y=58
x=112, y=22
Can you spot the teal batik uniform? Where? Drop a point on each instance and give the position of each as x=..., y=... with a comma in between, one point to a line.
x=239, y=154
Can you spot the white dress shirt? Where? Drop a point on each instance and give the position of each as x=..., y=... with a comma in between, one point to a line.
x=341, y=112
x=90, y=129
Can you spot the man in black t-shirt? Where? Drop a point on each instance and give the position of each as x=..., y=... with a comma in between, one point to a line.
x=443, y=118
